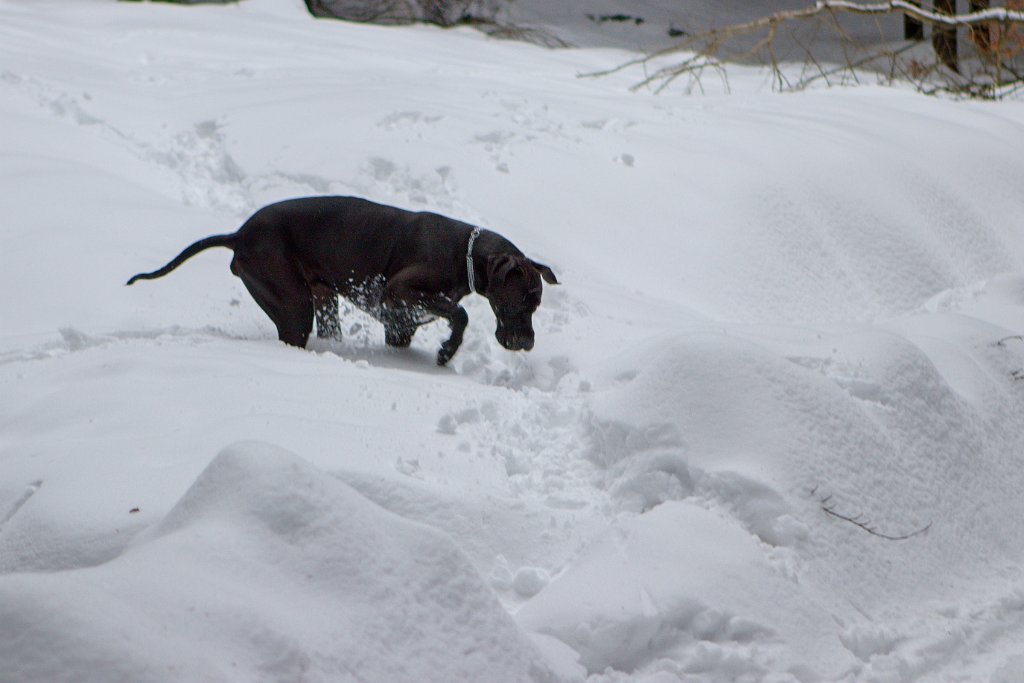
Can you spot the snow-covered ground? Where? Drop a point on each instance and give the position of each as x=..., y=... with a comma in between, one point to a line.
x=772, y=306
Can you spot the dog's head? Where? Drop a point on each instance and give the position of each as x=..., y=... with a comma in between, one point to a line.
x=514, y=289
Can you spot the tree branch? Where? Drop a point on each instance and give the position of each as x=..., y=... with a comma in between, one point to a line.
x=858, y=521
x=706, y=49
x=867, y=526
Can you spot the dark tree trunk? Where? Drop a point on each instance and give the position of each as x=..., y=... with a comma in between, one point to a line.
x=913, y=29
x=944, y=37
x=981, y=35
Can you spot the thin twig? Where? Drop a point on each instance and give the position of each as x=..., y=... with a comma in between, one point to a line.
x=861, y=62
x=866, y=525
x=860, y=522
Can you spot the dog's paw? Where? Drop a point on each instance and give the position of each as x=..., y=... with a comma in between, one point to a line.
x=446, y=353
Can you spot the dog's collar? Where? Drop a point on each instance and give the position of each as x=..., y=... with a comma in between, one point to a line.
x=470, y=271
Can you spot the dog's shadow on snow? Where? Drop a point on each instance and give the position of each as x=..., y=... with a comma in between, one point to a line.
x=412, y=359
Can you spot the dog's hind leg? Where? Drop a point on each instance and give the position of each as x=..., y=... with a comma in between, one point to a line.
x=325, y=305
x=398, y=334
x=282, y=293
x=400, y=321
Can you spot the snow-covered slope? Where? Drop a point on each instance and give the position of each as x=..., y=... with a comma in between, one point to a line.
x=272, y=570
x=777, y=312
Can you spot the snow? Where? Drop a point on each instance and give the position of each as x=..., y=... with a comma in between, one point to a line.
x=282, y=573
x=772, y=306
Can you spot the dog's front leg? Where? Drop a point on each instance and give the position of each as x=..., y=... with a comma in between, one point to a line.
x=410, y=295
x=457, y=320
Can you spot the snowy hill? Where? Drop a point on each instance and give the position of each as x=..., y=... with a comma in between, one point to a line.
x=772, y=429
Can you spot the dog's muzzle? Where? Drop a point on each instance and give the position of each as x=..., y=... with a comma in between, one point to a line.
x=517, y=342
x=514, y=340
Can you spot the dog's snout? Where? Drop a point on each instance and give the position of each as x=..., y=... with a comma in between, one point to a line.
x=516, y=342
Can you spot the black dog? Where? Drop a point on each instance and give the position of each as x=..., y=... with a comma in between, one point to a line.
x=403, y=268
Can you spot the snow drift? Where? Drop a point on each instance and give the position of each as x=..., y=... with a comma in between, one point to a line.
x=282, y=573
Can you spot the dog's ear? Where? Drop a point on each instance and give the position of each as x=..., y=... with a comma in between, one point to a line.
x=499, y=266
x=545, y=272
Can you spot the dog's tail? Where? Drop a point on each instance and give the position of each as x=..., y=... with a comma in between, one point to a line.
x=190, y=251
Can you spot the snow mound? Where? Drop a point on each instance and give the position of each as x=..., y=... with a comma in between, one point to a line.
x=267, y=569
x=845, y=454
x=924, y=400
x=680, y=588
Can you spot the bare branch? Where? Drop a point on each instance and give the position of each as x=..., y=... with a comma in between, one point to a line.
x=912, y=10
x=900, y=6
x=860, y=522
x=992, y=77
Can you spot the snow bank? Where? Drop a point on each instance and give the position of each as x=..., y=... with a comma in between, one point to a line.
x=893, y=428
x=266, y=570
x=682, y=585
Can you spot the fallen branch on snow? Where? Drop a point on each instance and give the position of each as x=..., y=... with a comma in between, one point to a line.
x=998, y=78
x=830, y=509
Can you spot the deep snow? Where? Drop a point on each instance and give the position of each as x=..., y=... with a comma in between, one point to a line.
x=772, y=304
